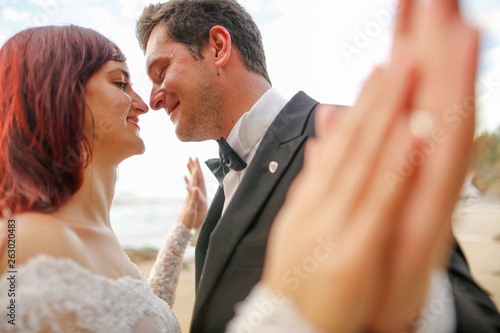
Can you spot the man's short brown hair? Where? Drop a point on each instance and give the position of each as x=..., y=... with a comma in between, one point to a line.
x=189, y=22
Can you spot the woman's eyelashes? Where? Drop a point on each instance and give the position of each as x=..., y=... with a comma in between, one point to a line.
x=121, y=84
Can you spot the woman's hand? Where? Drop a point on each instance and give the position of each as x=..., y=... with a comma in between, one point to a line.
x=328, y=245
x=368, y=218
x=194, y=208
x=445, y=47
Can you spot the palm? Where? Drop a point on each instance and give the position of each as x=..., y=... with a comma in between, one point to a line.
x=194, y=208
x=447, y=55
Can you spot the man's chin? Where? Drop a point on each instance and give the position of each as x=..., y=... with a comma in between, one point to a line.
x=190, y=136
x=183, y=138
x=181, y=133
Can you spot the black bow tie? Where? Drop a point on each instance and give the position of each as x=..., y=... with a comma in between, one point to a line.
x=228, y=159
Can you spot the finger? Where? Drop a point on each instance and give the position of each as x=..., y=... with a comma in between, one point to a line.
x=445, y=8
x=324, y=119
x=382, y=196
x=330, y=173
x=403, y=18
x=443, y=246
x=335, y=145
x=408, y=14
x=311, y=151
x=372, y=134
x=195, y=177
x=195, y=195
x=374, y=226
x=332, y=148
x=447, y=154
x=190, y=165
x=201, y=180
x=471, y=55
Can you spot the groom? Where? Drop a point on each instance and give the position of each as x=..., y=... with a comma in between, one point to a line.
x=207, y=64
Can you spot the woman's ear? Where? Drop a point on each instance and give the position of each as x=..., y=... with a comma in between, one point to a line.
x=219, y=42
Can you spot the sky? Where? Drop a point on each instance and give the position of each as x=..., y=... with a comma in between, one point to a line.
x=323, y=47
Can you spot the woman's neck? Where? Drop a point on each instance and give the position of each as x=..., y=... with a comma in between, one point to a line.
x=91, y=204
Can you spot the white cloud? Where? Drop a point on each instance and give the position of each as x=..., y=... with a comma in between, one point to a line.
x=15, y=16
x=252, y=6
x=45, y=3
x=304, y=46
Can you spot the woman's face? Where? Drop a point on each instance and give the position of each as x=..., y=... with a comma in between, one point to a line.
x=112, y=114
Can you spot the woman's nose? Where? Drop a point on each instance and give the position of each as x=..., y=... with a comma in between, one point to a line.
x=138, y=104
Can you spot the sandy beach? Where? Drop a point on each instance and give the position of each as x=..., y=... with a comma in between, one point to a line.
x=478, y=233
x=477, y=229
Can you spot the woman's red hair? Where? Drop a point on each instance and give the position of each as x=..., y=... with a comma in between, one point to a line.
x=43, y=148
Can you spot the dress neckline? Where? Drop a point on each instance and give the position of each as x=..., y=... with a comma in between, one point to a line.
x=44, y=258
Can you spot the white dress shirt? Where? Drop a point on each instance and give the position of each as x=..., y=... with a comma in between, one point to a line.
x=437, y=314
x=247, y=134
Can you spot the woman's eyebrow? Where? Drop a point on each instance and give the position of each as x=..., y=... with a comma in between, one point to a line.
x=127, y=75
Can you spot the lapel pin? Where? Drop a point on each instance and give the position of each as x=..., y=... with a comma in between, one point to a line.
x=273, y=166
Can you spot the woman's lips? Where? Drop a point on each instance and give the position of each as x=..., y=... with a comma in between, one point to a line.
x=134, y=120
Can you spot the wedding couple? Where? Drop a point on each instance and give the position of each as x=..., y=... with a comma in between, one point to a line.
x=347, y=252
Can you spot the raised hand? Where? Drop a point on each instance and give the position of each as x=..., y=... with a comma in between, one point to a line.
x=194, y=208
x=328, y=244
x=445, y=49
x=368, y=219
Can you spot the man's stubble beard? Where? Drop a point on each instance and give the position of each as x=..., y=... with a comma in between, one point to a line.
x=204, y=120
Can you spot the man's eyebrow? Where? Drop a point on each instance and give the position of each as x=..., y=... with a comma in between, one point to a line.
x=127, y=75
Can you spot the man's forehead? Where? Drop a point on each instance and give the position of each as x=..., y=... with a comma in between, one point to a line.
x=156, y=38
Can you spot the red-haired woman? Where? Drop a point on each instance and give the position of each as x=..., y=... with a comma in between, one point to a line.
x=363, y=260
x=69, y=116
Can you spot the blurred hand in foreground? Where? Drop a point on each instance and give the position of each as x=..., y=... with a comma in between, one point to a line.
x=368, y=218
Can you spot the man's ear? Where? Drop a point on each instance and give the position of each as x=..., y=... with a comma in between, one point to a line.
x=219, y=43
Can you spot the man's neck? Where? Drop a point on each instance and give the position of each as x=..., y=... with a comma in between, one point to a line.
x=240, y=98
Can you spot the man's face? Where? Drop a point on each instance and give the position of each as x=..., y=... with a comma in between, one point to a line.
x=185, y=87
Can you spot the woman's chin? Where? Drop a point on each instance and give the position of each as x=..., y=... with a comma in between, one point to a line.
x=139, y=150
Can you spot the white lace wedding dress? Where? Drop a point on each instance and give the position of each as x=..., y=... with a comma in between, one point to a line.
x=59, y=295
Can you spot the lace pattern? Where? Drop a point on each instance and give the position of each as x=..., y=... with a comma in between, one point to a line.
x=59, y=295
x=166, y=269
x=263, y=312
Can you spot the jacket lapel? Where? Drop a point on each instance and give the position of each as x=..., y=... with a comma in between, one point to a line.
x=280, y=144
x=213, y=216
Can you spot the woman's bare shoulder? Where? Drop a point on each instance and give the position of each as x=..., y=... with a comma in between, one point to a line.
x=32, y=234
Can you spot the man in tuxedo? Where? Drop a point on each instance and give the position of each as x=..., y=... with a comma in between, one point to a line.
x=207, y=64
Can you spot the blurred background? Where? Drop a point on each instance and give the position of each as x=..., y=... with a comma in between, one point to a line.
x=326, y=48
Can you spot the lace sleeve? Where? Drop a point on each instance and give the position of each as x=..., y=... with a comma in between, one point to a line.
x=165, y=272
x=263, y=312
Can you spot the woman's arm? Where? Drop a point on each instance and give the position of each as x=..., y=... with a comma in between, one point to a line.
x=165, y=272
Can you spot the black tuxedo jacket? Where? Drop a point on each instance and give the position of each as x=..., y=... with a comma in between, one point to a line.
x=230, y=250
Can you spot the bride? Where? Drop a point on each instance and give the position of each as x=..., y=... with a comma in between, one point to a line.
x=69, y=116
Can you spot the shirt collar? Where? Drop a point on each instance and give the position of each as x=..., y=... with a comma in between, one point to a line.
x=252, y=125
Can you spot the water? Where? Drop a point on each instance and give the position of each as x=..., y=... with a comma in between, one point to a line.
x=145, y=208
